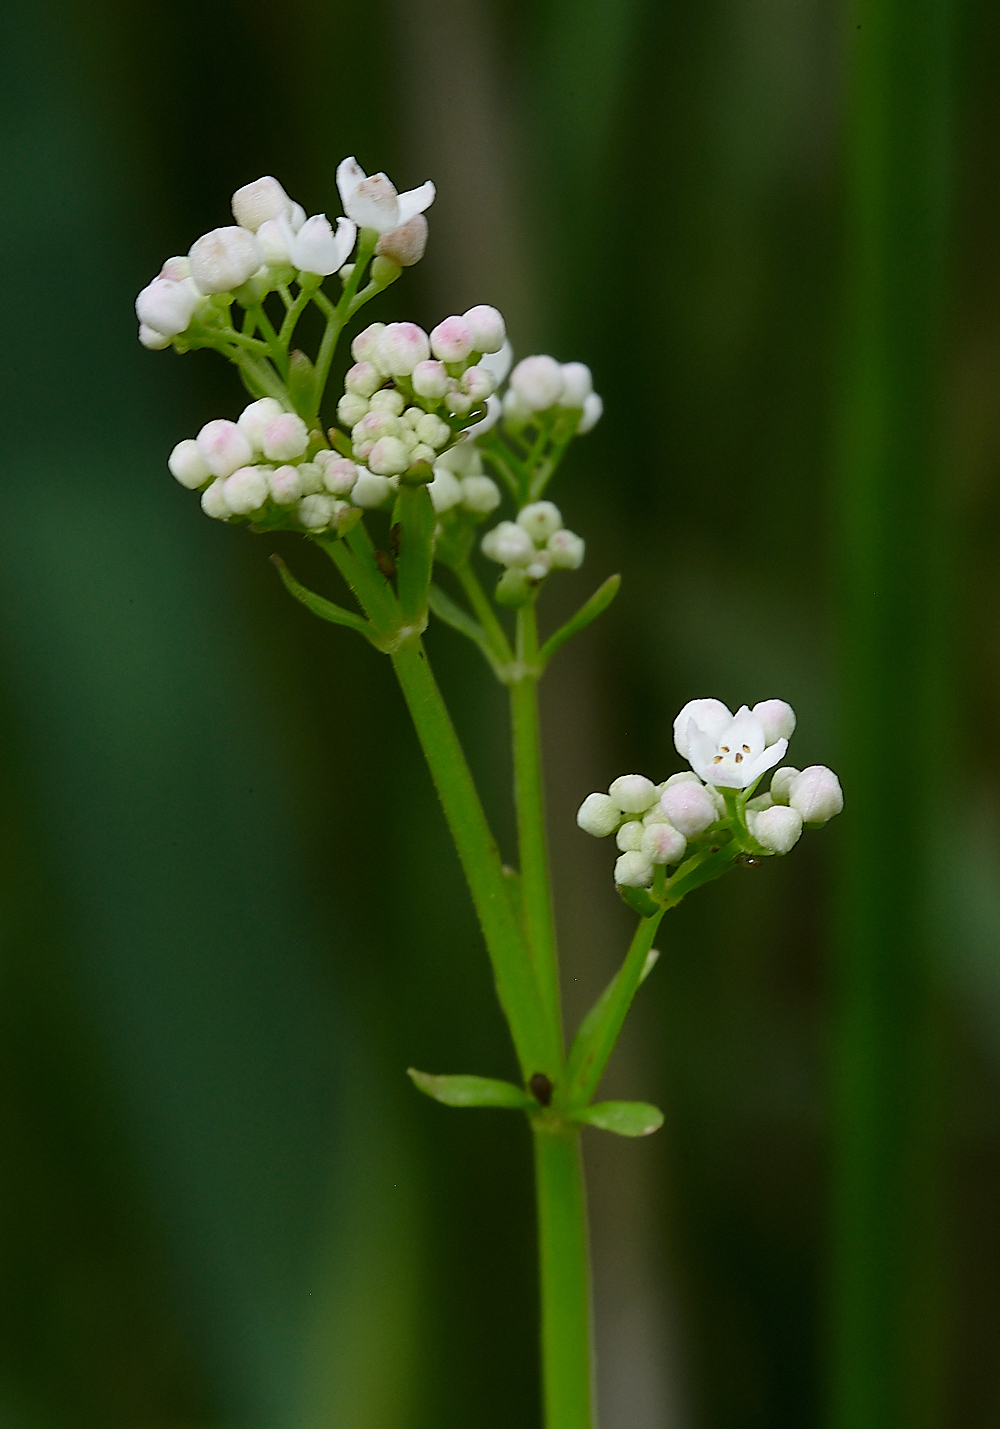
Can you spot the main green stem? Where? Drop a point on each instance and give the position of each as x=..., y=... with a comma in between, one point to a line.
x=564, y=1266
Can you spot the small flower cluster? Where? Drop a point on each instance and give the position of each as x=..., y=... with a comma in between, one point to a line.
x=655, y=823
x=541, y=385
x=536, y=543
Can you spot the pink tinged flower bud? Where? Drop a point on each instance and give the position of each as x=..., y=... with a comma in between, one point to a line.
x=225, y=258
x=388, y=457
x=271, y=237
x=223, y=447
x=151, y=339
x=781, y=783
x=662, y=843
x=351, y=409
x=566, y=550
x=777, y=829
x=629, y=836
x=777, y=719
x=254, y=418
x=255, y=203
x=246, y=490
x=432, y=430
x=577, y=384
x=452, y=340
x=388, y=400
x=166, y=306
x=339, y=473
x=487, y=327
x=364, y=346
x=285, y=485
x=430, y=380
x=816, y=794
x=509, y=545
x=479, y=383
x=689, y=807
x=188, y=465
x=316, y=512
x=400, y=347
x=633, y=871
x=213, y=500
x=538, y=382
x=458, y=403
x=633, y=793
x=598, y=815
x=364, y=378
x=593, y=411
x=375, y=424
x=370, y=489
x=445, y=490
x=177, y=269
x=541, y=520
x=404, y=245
x=285, y=437
x=480, y=494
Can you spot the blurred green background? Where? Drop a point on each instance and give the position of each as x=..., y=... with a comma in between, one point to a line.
x=230, y=913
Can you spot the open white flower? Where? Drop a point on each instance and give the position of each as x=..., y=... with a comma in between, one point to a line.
x=374, y=202
x=727, y=750
x=315, y=248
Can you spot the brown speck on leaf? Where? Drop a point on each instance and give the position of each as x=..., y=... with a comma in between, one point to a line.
x=385, y=564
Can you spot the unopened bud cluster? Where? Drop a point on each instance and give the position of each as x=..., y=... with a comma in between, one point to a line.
x=542, y=389
x=530, y=547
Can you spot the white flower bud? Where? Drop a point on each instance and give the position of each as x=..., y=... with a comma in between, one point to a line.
x=566, y=550
x=223, y=447
x=404, y=245
x=593, y=411
x=387, y=400
x=364, y=379
x=458, y=403
x=633, y=793
x=452, y=340
x=285, y=485
x=445, y=490
x=430, y=379
x=271, y=237
x=480, y=494
x=246, y=490
x=351, y=409
x=479, y=383
x=539, y=567
x=762, y=801
x=389, y=457
x=777, y=719
x=598, y=815
x=662, y=843
x=151, y=339
x=255, y=203
x=816, y=794
x=577, y=384
x=516, y=412
x=225, y=258
x=687, y=776
x=253, y=419
x=541, y=520
x=310, y=478
x=464, y=459
x=432, y=430
x=316, y=512
x=166, y=306
x=689, y=807
x=538, y=382
x=781, y=783
x=488, y=329
x=285, y=437
x=400, y=347
x=629, y=836
x=177, y=269
x=633, y=871
x=422, y=452
x=339, y=473
x=508, y=544
x=213, y=500
x=364, y=346
x=777, y=829
x=370, y=489
x=494, y=407
x=188, y=465
x=316, y=248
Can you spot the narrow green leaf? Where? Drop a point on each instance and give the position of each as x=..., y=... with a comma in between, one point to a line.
x=452, y=614
x=597, y=603
x=623, y=1118
x=325, y=609
x=472, y=1091
x=639, y=900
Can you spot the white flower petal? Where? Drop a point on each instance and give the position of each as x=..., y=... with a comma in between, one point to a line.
x=415, y=201
x=712, y=716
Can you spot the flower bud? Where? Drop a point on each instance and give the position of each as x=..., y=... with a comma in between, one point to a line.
x=633, y=871
x=460, y=404
x=271, y=237
x=539, y=567
x=166, y=306
x=400, y=347
x=541, y=520
x=598, y=815
x=225, y=258
x=593, y=410
x=285, y=437
x=363, y=378
x=213, y=500
x=285, y=485
x=422, y=452
x=662, y=843
x=577, y=384
x=689, y=807
x=364, y=346
x=387, y=399
x=188, y=465
x=246, y=490
x=452, y=340
x=176, y=269
x=633, y=793
x=777, y=719
x=432, y=430
x=629, y=836
x=151, y=339
x=777, y=829
x=383, y=272
x=516, y=412
x=389, y=457
x=310, y=478
x=514, y=589
x=404, y=245
x=223, y=447
x=464, y=459
x=480, y=494
x=538, y=382
x=255, y=203
x=566, y=550
x=351, y=409
x=816, y=794
x=370, y=489
x=254, y=418
x=339, y=473
x=781, y=783
x=316, y=512
x=488, y=329
x=430, y=380
x=445, y=490
x=509, y=544
x=479, y=383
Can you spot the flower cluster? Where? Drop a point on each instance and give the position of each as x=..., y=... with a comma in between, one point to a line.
x=536, y=543
x=710, y=804
x=541, y=385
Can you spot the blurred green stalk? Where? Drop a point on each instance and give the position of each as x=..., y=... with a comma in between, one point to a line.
x=886, y=1336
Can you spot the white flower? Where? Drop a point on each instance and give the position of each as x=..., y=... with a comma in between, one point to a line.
x=566, y=550
x=633, y=793
x=816, y=794
x=374, y=202
x=370, y=489
x=167, y=307
x=224, y=259
x=271, y=237
x=400, y=347
x=508, y=544
x=187, y=464
x=633, y=871
x=254, y=418
x=541, y=519
x=445, y=490
x=593, y=410
x=537, y=382
x=285, y=437
x=577, y=384
x=260, y=201
x=662, y=843
x=316, y=248
x=246, y=490
x=404, y=245
x=777, y=829
x=729, y=751
x=223, y=447
x=690, y=807
x=480, y=494
x=598, y=815
x=489, y=331
x=452, y=340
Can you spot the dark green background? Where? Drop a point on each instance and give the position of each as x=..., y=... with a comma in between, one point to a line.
x=230, y=914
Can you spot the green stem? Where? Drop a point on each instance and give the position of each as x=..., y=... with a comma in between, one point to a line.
x=485, y=613
x=564, y=1272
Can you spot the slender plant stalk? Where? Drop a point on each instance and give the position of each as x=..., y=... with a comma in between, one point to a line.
x=564, y=1266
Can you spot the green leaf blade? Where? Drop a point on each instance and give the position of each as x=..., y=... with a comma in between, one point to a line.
x=588, y=612
x=472, y=1091
x=623, y=1118
x=319, y=605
